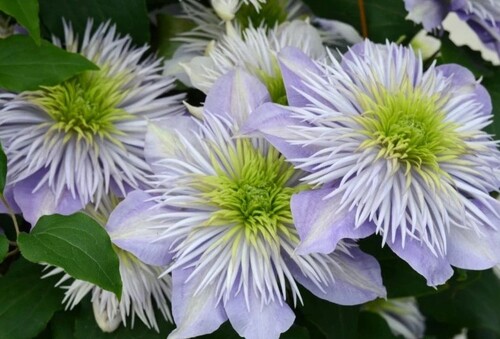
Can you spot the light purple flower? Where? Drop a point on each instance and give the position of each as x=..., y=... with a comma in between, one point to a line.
x=70, y=144
x=223, y=210
x=393, y=149
x=483, y=16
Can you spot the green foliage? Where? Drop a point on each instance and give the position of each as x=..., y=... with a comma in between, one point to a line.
x=26, y=66
x=26, y=14
x=473, y=303
x=4, y=246
x=76, y=243
x=130, y=16
x=27, y=302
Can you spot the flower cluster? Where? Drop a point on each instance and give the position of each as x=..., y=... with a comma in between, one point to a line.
x=308, y=140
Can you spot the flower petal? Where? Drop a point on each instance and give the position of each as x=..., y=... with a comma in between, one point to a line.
x=471, y=251
x=273, y=123
x=259, y=320
x=235, y=95
x=434, y=268
x=430, y=13
x=162, y=140
x=356, y=279
x=194, y=313
x=43, y=201
x=321, y=225
x=295, y=65
x=129, y=227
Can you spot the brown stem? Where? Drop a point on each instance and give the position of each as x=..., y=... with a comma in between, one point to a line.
x=362, y=15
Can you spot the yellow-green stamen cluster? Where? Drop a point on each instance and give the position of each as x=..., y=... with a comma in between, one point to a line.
x=272, y=12
x=409, y=128
x=85, y=106
x=253, y=196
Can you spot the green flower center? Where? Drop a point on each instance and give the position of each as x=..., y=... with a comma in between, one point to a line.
x=272, y=12
x=253, y=196
x=409, y=127
x=85, y=106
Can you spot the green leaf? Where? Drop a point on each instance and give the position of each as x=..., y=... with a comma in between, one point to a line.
x=27, y=302
x=4, y=246
x=130, y=16
x=26, y=66
x=372, y=325
x=474, y=304
x=26, y=14
x=333, y=321
x=3, y=169
x=76, y=243
x=385, y=19
x=86, y=327
x=62, y=324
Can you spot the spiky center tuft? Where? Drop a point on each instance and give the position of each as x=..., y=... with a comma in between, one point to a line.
x=409, y=128
x=271, y=13
x=254, y=196
x=85, y=106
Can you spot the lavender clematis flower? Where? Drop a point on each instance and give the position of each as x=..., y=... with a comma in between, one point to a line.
x=143, y=292
x=483, y=16
x=391, y=149
x=226, y=226
x=70, y=144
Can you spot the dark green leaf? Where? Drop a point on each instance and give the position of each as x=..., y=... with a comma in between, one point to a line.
x=4, y=246
x=27, y=302
x=474, y=304
x=385, y=19
x=333, y=321
x=3, y=169
x=62, y=324
x=26, y=66
x=76, y=243
x=130, y=16
x=372, y=325
x=26, y=13
x=296, y=332
x=86, y=327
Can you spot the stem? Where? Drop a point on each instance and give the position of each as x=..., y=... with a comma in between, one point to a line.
x=13, y=252
x=362, y=15
x=11, y=213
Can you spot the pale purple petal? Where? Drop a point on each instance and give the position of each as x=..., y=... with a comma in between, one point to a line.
x=321, y=225
x=194, y=313
x=34, y=205
x=258, y=320
x=295, y=65
x=434, y=268
x=356, y=279
x=130, y=228
x=273, y=122
x=430, y=13
x=236, y=95
x=162, y=140
x=471, y=251
x=461, y=77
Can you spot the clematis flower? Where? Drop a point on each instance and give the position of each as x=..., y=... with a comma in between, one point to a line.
x=393, y=149
x=70, y=144
x=483, y=16
x=226, y=229
x=142, y=293
x=255, y=50
x=402, y=315
x=209, y=29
